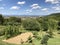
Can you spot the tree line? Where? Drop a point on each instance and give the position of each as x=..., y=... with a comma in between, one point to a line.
x=44, y=23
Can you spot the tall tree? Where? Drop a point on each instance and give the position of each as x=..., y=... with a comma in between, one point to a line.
x=1, y=19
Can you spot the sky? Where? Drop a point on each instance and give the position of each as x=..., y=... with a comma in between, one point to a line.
x=29, y=7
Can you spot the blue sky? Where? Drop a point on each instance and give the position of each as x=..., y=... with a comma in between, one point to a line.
x=29, y=7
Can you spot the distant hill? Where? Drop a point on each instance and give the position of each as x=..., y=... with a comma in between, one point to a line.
x=55, y=16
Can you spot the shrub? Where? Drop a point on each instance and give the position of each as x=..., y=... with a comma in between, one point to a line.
x=59, y=32
x=30, y=39
x=35, y=33
x=2, y=32
x=22, y=41
x=38, y=37
x=45, y=40
x=50, y=33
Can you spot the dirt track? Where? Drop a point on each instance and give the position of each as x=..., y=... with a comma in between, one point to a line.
x=22, y=37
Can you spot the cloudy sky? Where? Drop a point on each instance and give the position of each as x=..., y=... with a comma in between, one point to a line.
x=29, y=7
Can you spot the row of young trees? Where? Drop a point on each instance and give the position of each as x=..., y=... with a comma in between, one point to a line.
x=11, y=31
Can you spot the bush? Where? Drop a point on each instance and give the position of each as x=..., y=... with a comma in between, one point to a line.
x=38, y=37
x=59, y=32
x=22, y=41
x=50, y=33
x=35, y=33
x=45, y=39
x=2, y=32
x=31, y=25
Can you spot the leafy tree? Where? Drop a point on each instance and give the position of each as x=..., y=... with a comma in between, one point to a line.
x=43, y=22
x=12, y=21
x=5, y=21
x=31, y=25
x=58, y=28
x=51, y=24
x=1, y=19
x=15, y=19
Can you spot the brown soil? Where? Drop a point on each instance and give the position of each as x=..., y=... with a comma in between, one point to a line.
x=18, y=39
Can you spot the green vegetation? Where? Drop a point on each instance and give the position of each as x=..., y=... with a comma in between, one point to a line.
x=45, y=40
x=11, y=31
x=1, y=19
x=31, y=25
x=39, y=26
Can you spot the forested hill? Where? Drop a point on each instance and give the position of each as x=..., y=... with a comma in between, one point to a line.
x=55, y=16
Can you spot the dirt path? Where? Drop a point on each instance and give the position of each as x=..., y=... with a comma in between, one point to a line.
x=22, y=37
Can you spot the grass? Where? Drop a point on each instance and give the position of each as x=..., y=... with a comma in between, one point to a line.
x=3, y=43
x=55, y=40
x=51, y=41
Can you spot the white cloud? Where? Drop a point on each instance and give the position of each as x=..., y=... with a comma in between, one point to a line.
x=35, y=6
x=45, y=9
x=1, y=8
x=53, y=1
x=56, y=8
x=15, y=7
x=21, y=3
x=28, y=11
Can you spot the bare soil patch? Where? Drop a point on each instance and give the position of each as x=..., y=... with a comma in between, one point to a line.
x=18, y=39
